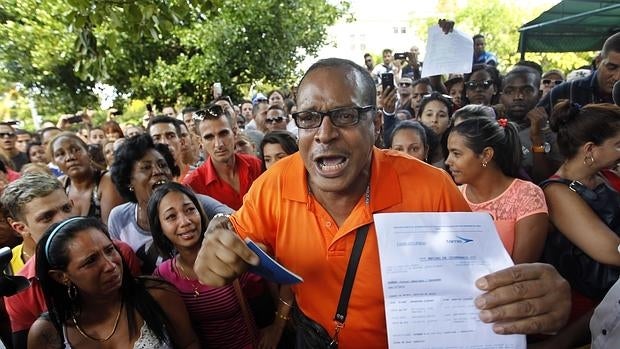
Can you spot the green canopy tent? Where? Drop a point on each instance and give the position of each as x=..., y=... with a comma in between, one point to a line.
x=571, y=26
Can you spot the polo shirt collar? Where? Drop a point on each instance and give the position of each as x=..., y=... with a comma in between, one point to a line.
x=385, y=190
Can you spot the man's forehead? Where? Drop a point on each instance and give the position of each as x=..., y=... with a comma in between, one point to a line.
x=161, y=128
x=56, y=198
x=327, y=83
x=520, y=79
x=275, y=112
x=214, y=125
x=5, y=128
x=613, y=57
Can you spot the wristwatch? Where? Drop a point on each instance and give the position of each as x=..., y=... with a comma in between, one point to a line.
x=543, y=148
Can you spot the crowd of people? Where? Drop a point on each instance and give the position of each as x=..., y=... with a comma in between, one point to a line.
x=133, y=235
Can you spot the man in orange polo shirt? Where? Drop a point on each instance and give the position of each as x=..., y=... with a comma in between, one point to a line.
x=225, y=176
x=307, y=209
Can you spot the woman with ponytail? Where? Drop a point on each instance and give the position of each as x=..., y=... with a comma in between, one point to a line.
x=484, y=158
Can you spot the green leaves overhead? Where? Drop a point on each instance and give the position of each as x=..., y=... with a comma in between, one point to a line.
x=162, y=50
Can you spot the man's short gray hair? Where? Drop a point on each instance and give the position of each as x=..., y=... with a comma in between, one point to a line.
x=25, y=189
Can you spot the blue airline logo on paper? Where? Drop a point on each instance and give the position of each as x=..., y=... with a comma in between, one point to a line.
x=459, y=240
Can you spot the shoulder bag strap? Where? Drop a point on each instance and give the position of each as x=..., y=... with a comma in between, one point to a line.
x=349, y=277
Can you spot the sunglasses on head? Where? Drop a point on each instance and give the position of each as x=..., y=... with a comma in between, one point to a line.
x=437, y=95
x=277, y=120
x=214, y=111
x=475, y=84
x=7, y=134
x=549, y=81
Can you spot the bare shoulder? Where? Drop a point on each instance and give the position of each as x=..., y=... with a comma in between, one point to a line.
x=43, y=335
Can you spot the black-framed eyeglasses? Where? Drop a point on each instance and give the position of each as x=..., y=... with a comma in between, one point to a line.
x=214, y=111
x=340, y=117
x=276, y=120
x=472, y=85
x=549, y=81
x=7, y=134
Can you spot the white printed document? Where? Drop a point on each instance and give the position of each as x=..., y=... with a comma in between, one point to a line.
x=447, y=53
x=429, y=263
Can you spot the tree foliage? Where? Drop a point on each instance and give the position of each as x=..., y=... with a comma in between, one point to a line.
x=163, y=50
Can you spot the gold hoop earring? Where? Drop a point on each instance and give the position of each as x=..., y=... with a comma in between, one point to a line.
x=588, y=160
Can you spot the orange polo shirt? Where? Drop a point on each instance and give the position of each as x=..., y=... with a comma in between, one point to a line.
x=280, y=212
x=205, y=180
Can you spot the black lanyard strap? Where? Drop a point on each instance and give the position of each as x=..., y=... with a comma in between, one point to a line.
x=349, y=277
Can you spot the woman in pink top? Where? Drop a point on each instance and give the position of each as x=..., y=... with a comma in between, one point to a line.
x=484, y=157
x=220, y=315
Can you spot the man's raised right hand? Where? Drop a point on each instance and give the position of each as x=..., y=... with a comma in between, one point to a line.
x=223, y=256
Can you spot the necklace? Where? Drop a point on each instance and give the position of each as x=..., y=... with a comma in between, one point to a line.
x=185, y=275
x=84, y=334
x=25, y=255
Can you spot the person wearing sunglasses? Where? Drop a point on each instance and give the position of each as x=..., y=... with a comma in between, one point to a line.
x=277, y=119
x=550, y=79
x=482, y=85
x=307, y=209
x=8, y=137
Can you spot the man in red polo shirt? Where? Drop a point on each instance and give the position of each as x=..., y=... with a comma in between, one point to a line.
x=225, y=175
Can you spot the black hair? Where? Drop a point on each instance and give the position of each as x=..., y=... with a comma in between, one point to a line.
x=495, y=77
x=477, y=36
x=524, y=70
x=425, y=81
x=30, y=146
x=278, y=92
x=257, y=105
x=480, y=133
x=411, y=125
x=576, y=125
x=224, y=98
x=289, y=103
x=163, y=119
x=163, y=244
x=125, y=157
x=406, y=112
x=276, y=107
x=363, y=83
x=435, y=96
x=611, y=44
x=452, y=82
x=61, y=308
x=19, y=131
x=284, y=138
x=189, y=109
x=471, y=111
x=533, y=65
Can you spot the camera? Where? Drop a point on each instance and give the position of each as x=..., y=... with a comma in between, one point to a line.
x=75, y=119
x=401, y=55
x=10, y=284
